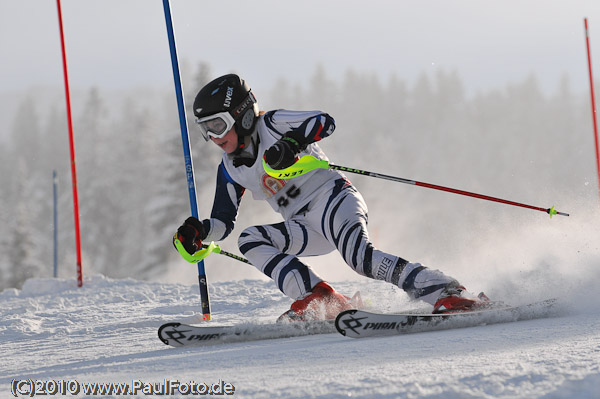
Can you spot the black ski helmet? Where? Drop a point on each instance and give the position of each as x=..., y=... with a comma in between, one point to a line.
x=232, y=94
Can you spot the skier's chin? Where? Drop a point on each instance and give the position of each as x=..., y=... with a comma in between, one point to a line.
x=228, y=146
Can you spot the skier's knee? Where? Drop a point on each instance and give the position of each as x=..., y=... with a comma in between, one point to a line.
x=252, y=237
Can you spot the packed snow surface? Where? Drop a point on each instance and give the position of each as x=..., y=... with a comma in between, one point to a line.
x=106, y=332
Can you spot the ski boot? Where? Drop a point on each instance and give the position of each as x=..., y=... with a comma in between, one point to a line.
x=454, y=298
x=323, y=303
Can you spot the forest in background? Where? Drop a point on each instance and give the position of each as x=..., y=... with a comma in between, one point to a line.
x=515, y=142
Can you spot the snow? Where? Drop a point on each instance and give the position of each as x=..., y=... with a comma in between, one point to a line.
x=106, y=331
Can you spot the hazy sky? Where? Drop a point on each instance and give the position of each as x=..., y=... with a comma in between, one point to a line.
x=116, y=43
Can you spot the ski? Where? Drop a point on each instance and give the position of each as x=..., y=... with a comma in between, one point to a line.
x=178, y=334
x=360, y=324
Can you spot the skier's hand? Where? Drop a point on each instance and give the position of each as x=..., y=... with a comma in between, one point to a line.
x=282, y=154
x=191, y=233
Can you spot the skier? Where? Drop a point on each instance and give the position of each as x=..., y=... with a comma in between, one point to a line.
x=322, y=210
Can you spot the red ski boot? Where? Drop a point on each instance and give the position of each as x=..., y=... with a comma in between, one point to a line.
x=321, y=304
x=453, y=300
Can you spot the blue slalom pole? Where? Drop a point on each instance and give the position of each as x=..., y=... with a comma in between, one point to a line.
x=187, y=153
x=54, y=183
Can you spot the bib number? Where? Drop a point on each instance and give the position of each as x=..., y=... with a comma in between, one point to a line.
x=291, y=193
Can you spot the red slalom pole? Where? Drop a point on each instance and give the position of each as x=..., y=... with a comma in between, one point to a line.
x=72, y=148
x=594, y=118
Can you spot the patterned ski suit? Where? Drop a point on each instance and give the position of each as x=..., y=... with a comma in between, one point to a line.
x=322, y=211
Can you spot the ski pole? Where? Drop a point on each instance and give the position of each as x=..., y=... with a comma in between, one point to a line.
x=308, y=163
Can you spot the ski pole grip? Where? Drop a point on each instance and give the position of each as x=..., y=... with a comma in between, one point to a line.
x=304, y=165
x=198, y=255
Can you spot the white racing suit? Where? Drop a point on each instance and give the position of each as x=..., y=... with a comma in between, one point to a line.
x=322, y=211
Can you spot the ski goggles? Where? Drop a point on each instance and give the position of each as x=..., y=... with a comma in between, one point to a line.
x=216, y=125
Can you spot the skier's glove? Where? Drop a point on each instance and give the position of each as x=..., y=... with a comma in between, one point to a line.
x=282, y=154
x=191, y=233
